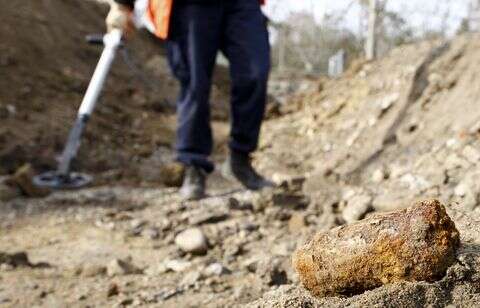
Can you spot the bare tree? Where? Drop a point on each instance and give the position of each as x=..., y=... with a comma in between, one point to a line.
x=371, y=44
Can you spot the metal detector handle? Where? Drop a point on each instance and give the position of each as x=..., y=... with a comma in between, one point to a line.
x=111, y=41
x=94, y=39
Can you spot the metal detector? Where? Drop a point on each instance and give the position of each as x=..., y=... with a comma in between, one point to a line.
x=63, y=177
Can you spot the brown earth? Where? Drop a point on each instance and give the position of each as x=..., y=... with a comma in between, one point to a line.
x=384, y=135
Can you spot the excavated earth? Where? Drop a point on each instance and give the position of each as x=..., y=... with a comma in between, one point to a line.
x=384, y=135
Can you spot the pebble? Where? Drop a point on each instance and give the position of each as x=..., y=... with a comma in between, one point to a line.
x=191, y=278
x=137, y=223
x=378, y=176
x=178, y=265
x=471, y=154
x=215, y=269
x=118, y=267
x=461, y=190
x=167, y=293
x=93, y=270
x=151, y=233
x=356, y=208
x=296, y=223
x=112, y=290
x=192, y=240
x=5, y=267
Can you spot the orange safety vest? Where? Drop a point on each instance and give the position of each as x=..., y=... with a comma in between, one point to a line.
x=159, y=13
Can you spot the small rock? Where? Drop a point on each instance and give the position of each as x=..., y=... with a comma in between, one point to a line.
x=118, y=267
x=5, y=267
x=282, y=249
x=231, y=251
x=156, y=270
x=215, y=269
x=296, y=223
x=151, y=233
x=461, y=190
x=23, y=179
x=271, y=272
x=235, y=204
x=112, y=290
x=192, y=240
x=469, y=190
x=178, y=265
x=125, y=302
x=378, y=176
x=93, y=270
x=207, y=216
x=348, y=193
x=191, y=278
x=293, y=184
x=387, y=102
x=390, y=201
x=167, y=293
x=137, y=223
x=161, y=167
x=415, y=182
x=453, y=144
x=454, y=161
x=356, y=208
x=12, y=110
x=415, y=244
x=471, y=154
x=251, y=264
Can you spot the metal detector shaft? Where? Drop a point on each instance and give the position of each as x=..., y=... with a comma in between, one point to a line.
x=111, y=41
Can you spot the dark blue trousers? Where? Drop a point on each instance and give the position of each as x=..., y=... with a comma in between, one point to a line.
x=199, y=31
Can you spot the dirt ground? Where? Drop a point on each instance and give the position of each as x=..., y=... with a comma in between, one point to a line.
x=382, y=136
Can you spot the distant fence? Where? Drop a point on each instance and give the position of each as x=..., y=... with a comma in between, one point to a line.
x=336, y=64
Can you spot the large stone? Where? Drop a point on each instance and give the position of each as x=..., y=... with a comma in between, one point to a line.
x=415, y=244
x=192, y=240
x=23, y=179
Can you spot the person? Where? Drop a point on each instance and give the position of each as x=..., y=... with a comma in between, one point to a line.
x=196, y=30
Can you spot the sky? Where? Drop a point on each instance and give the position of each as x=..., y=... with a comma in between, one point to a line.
x=422, y=14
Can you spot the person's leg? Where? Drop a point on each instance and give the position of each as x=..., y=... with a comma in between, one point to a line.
x=245, y=43
x=192, y=50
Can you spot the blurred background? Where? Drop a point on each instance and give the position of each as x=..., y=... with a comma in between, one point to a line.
x=305, y=34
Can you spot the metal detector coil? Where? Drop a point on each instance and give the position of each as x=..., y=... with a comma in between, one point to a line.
x=63, y=178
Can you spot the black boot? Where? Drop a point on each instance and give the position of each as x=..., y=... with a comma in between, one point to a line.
x=193, y=187
x=238, y=167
